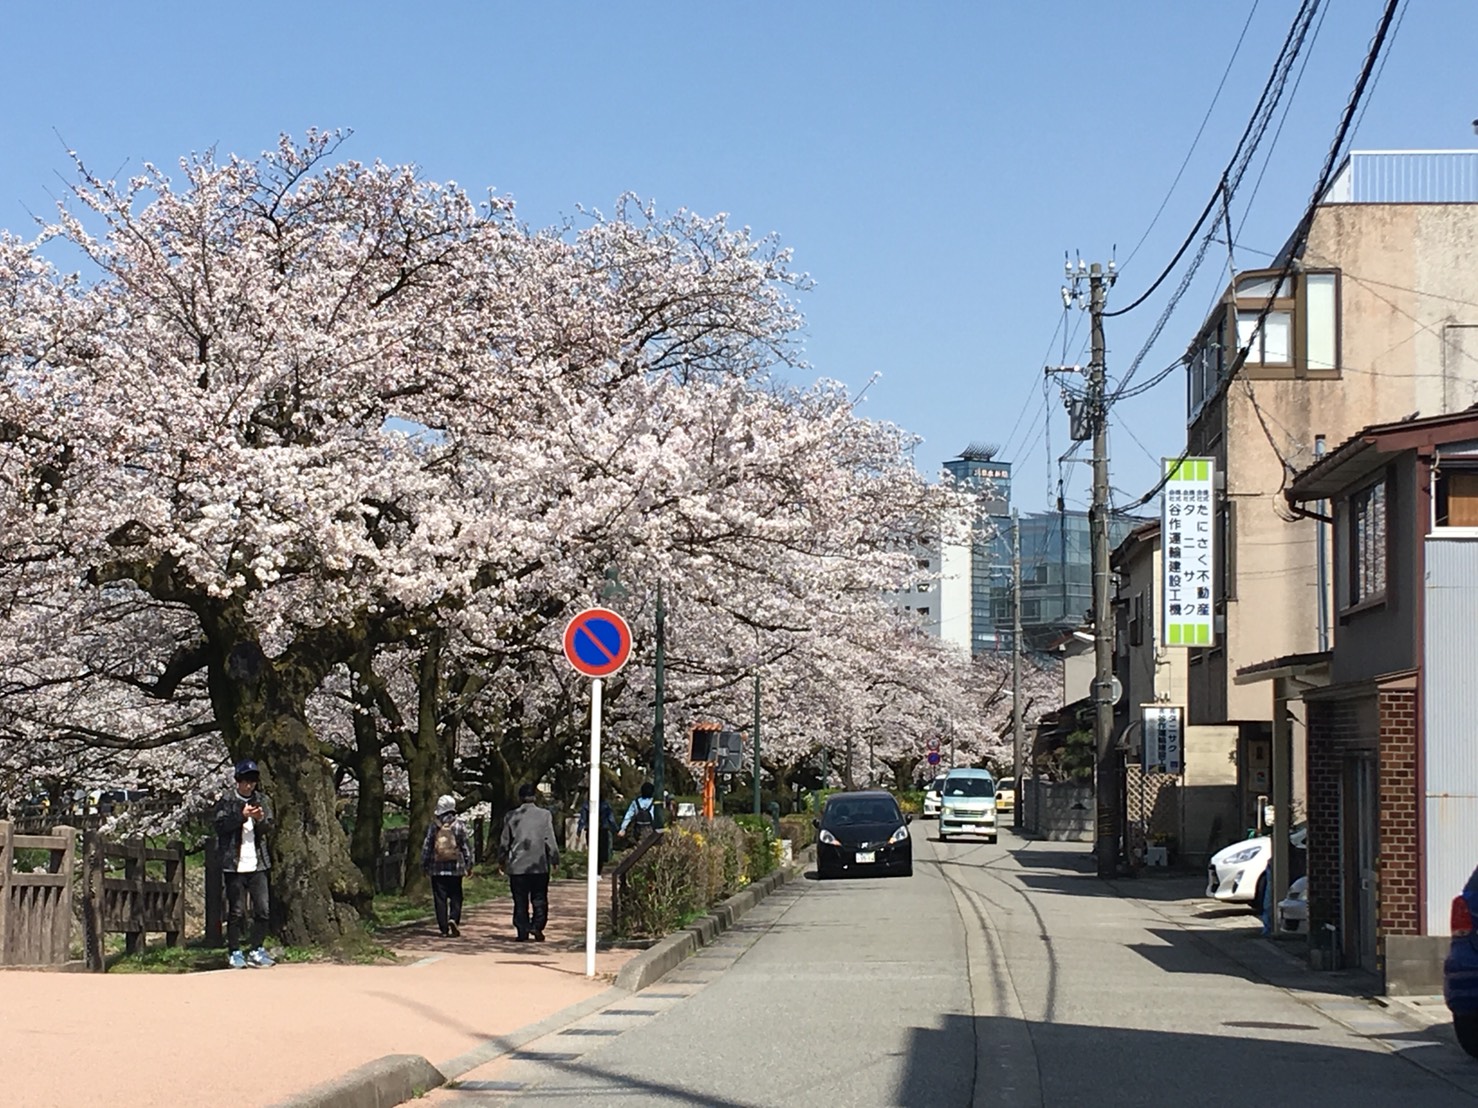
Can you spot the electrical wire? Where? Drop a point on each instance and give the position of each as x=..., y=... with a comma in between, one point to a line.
x=1231, y=175
x=1301, y=232
x=1231, y=179
x=1201, y=130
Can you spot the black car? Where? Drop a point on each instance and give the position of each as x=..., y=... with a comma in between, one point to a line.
x=863, y=833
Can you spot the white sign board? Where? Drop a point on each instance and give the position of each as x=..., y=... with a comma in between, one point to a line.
x=1188, y=553
x=1162, y=739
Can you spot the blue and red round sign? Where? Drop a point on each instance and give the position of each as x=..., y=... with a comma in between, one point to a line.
x=933, y=757
x=597, y=642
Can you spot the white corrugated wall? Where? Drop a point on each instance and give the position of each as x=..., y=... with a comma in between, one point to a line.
x=1450, y=713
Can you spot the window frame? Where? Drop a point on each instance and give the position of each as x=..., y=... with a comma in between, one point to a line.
x=1466, y=466
x=1350, y=600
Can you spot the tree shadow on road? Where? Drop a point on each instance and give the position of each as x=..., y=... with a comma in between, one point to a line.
x=1075, y=1064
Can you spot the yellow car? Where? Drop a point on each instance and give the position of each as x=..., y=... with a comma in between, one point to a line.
x=1006, y=794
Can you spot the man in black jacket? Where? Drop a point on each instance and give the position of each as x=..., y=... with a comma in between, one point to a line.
x=243, y=820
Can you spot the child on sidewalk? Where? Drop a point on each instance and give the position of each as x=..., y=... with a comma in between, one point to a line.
x=446, y=857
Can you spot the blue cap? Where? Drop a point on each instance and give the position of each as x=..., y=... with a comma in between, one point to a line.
x=247, y=768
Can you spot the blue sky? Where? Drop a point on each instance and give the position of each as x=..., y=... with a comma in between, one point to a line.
x=929, y=163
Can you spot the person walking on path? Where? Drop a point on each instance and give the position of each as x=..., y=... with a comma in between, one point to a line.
x=607, y=831
x=641, y=815
x=243, y=820
x=446, y=857
x=529, y=851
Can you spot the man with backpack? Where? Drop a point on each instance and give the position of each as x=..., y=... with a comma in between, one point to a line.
x=641, y=816
x=446, y=857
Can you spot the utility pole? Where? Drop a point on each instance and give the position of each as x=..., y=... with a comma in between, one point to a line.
x=756, y=742
x=1107, y=837
x=659, y=734
x=1018, y=730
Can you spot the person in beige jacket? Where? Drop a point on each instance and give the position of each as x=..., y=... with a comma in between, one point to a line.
x=529, y=851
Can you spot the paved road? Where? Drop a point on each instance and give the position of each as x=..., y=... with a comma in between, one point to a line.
x=997, y=975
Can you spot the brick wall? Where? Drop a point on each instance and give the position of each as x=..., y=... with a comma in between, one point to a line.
x=1333, y=730
x=1399, y=861
x=1337, y=730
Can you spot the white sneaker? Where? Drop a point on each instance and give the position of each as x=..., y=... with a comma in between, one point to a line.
x=260, y=959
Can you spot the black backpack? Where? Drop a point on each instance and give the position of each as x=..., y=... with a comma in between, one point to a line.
x=644, y=819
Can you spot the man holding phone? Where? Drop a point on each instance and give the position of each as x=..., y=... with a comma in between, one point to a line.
x=243, y=820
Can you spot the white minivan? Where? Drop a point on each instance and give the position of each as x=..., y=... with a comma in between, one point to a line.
x=967, y=805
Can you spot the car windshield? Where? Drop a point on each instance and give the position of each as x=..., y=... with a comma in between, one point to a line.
x=937, y=784
x=969, y=786
x=862, y=810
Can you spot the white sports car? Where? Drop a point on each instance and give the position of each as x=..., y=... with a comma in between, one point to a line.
x=1238, y=873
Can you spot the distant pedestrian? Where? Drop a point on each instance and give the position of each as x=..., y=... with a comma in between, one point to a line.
x=529, y=851
x=641, y=815
x=243, y=820
x=446, y=857
x=606, y=830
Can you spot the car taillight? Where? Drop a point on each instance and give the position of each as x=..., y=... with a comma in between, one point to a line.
x=1462, y=918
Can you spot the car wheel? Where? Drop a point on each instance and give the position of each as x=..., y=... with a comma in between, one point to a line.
x=1466, y=1030
x=992, y=839
x=906, y=871
x=943, y=837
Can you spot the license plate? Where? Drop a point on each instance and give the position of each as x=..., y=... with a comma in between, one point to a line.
x=867, y=857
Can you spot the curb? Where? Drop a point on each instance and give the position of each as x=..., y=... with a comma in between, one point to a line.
x=382, y=1083
x=397, y=1078
x=655, y=963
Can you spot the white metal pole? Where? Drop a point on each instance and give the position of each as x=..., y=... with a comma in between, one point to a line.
x=593, y=823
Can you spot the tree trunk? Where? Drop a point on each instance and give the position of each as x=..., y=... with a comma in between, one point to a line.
x=260, y=705
x=369, y=810
x=425, y=762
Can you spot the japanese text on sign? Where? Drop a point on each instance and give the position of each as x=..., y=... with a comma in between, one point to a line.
x=1162, y=745
x=1188, y=565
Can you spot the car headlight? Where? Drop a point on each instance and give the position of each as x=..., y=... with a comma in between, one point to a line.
x=899, y=835
x=828, y=838
x=1245, y=855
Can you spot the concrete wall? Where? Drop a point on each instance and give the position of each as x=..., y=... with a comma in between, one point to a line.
x=1059, y=811
x=1408, y=343
x=1209, y=807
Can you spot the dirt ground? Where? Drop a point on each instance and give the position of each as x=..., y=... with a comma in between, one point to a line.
x=129, y=1040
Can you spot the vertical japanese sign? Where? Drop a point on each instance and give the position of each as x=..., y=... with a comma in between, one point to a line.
x=1162, y=739
x=1188, y=559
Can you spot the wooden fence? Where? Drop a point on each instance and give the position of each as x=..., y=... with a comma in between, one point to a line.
x=36, y=908
x=135, y=903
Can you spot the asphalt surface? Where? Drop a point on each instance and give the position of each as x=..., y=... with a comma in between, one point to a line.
x=997, y=975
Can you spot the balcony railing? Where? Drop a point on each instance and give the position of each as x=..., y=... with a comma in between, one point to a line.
x=1406, y=177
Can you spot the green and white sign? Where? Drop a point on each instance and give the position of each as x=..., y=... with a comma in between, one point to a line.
x=1188, y=553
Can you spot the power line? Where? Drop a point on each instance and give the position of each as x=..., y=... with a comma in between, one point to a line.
x=1231, y=179
x=1301, y=232
x=1205, y=119
x=1231, y=176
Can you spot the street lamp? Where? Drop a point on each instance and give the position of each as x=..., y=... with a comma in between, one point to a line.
x=659, y=735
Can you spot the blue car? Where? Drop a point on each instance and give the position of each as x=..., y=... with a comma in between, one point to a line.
x=1460, y=971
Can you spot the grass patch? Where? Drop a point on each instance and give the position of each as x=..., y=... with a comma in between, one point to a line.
x=359, y=948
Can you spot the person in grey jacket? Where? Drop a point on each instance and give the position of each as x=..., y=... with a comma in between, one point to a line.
x=243, y=821
x=529, y=851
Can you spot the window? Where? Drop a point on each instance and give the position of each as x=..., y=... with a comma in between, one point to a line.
x=1457, y=498
x=1368, y=544
x=1137, y=608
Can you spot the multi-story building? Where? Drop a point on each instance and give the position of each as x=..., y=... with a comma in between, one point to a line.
x=1374, y=317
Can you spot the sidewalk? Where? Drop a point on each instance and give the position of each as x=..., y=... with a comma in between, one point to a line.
x=137, y=1040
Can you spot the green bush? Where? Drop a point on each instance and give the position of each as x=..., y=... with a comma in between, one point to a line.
x=911, y=800
x=689, y=870
x=798, y=830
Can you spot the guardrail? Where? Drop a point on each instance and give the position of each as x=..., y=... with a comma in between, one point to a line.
x=1406, y=177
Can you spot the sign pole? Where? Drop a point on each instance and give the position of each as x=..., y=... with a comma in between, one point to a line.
x=593, y=823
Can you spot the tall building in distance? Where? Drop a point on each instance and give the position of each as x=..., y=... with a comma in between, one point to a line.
x=979, y=565
x=963, y=594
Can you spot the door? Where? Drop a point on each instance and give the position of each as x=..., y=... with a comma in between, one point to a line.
x=1359, y=848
